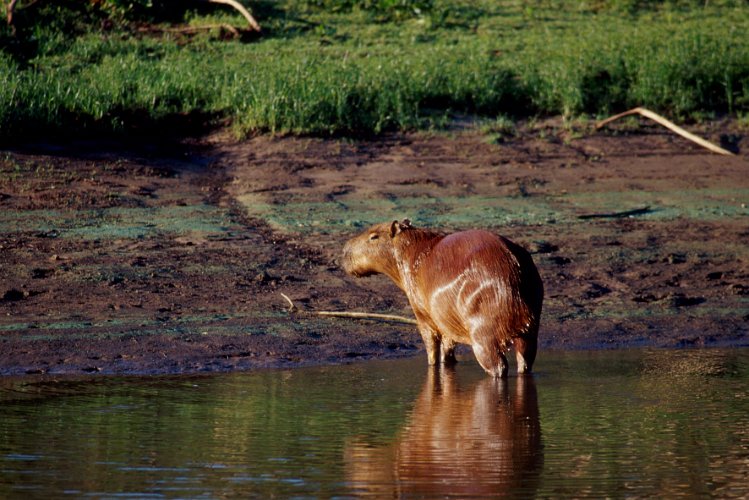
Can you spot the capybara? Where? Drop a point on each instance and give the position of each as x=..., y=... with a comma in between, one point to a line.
x=471, y=287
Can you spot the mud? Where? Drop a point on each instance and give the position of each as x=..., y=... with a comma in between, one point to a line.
x=117, y=259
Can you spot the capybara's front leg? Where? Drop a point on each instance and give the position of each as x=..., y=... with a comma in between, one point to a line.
x=431, y=341
x=433, y=349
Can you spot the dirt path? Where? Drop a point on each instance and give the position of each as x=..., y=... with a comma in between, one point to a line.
x=175, y=261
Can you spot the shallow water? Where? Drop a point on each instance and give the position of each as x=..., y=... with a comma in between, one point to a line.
x=638, y=423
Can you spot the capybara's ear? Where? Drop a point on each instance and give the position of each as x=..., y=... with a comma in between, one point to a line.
x=394, y=229
x=405, y=224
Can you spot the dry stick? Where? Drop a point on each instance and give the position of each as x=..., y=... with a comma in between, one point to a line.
x=291, y=304
x=238, y=6
x=669, y=125
x=360, y=315
x=9, y=9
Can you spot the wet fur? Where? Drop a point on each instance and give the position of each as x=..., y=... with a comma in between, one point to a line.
x=470, y=287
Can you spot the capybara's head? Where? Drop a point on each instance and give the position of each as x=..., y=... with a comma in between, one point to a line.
x=371, y=252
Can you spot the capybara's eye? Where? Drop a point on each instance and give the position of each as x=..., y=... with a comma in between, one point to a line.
x=374, y=236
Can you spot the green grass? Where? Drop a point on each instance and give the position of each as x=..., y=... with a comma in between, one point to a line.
x=323, y=72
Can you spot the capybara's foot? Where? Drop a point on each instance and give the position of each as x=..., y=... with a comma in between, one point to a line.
x=525, y=352
x=499, y=371
x=523, y=366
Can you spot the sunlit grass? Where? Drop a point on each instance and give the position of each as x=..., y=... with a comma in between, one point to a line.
x=322, y=73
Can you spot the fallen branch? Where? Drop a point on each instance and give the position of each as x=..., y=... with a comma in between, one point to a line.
x=238, y=6
x=358, y=315
x=361, y=315
x=616, y=215
x=669, y=125
x=9, y=10
x=291, y=304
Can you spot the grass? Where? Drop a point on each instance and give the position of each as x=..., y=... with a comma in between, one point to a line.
x=323, y=72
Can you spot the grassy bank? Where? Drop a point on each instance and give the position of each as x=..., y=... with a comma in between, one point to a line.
x=319, y=71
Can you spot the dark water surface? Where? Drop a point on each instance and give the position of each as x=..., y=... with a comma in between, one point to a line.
x=640, y=423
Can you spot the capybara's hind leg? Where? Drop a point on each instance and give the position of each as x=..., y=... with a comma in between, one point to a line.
x=490, y=357
x=525, y=352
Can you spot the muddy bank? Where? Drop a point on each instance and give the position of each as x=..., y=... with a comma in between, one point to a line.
x=153, y=261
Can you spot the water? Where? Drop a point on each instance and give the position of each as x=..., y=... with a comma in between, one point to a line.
x=642, y=423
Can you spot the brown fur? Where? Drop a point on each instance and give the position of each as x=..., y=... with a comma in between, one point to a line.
x=471, y=287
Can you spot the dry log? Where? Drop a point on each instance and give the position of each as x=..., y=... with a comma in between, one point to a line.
x=669, y=125
x=361, y=315
x=11, y=7
x=9, y=11
x=238, y=6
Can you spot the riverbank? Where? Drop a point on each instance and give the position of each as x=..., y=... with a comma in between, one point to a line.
x=153, y=259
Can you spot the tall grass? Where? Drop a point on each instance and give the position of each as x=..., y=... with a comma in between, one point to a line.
x=355, y=76
x=699, y=67
x=367, y=94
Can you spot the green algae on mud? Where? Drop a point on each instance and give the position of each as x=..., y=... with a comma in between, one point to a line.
x=345, y=215
x=117, y=223
x=274, y=324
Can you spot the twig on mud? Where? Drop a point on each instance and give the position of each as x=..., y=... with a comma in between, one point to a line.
x=292, y=307
x=669, y=125
x=616, y=215
x=361, y=315
x=358, y=315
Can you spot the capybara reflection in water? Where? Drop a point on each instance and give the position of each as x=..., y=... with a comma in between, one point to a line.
x=470, y=287
x=462, y=439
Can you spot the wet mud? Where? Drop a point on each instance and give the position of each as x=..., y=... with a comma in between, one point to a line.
x=116, y=259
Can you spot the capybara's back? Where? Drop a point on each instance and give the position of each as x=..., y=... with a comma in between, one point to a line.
x=469, y=287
